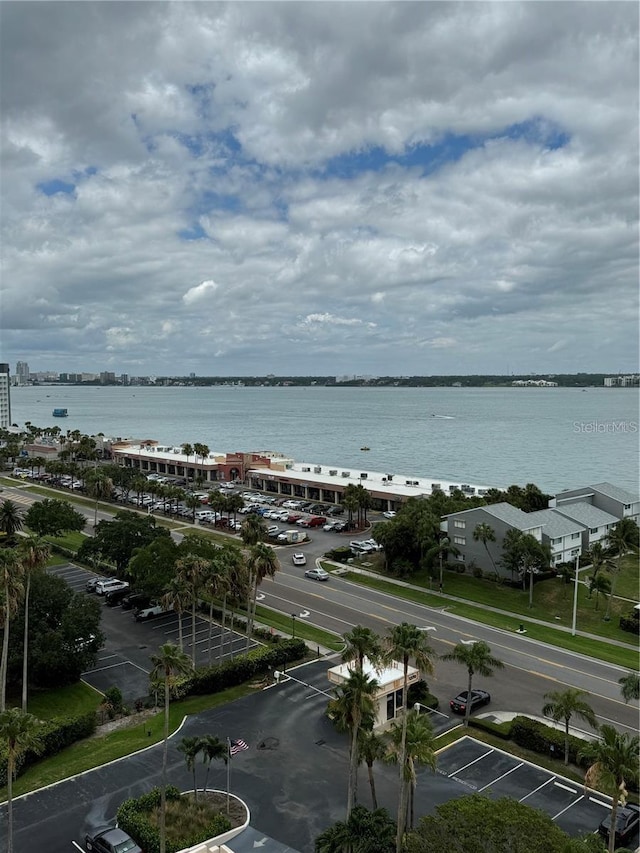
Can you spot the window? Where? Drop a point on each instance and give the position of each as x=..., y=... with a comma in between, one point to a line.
x=575, y=552
x=593, y=530
x=461, y=524
x=459, y=540
x=627, y=506
x=577, y=535
x=557, y=541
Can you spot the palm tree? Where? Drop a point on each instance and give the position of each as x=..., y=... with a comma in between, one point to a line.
x=361, y=832
x=371, y=748
x=404, y=642
x=419, y=749
x=213, y=749
x=99, y=486
x=191, y=570
x=565, y=704
x=598, y=558
x=169, y=664
x=600, y=584
x=11, y=589
x=253, y=530
x=191, y=747
x=485, y=533
x=353, y=707
x=187, y=449
x=613, y=762
x=19, y=731
x=630, y=686
x=350, y=501
x=476, y=657
x=361, y=643
x=177, y=597
x=33, y=554
x=10, y=519
x=262, y=563
x=441, y=551
x=620, y=540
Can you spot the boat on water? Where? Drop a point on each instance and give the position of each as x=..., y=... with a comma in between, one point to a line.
x=60, y=413
x=365, y=448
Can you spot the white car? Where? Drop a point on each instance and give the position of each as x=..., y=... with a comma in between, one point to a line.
x=389, y=514
x=299, y=559
x=102, y=587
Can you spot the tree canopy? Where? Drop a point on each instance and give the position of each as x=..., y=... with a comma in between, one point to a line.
x=51, y=517
x=117, y=540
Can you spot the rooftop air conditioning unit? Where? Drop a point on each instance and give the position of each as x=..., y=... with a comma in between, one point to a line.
x=317, y=470
x=333, y=472
x=176, y=450
x=384, y=479
x=306, y=469
x=364, y=475
x=407, y=482
x=346, y=473
x=416, y=482
x=389, y=477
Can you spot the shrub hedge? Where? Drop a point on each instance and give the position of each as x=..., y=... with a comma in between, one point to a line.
x=55, y=734
x=238, y=670
x=545, y=740
x=631, y=625
x=133, y=817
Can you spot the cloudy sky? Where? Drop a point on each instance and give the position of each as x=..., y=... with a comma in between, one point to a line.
x=320, y=188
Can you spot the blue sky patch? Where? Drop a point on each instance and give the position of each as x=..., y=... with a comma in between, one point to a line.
x=56, y=186
x=194, y=232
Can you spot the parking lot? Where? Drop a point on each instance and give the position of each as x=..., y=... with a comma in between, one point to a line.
x=124, y=661
x=480, y=768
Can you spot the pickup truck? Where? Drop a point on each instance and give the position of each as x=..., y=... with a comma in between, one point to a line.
x=149, y=612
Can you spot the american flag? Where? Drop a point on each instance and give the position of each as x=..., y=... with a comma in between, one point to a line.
x=236, y=746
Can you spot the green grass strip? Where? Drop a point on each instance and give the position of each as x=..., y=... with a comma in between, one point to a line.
x=283, y=623
x=96, y=751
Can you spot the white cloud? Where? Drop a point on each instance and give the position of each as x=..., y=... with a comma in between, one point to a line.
x=208, y=207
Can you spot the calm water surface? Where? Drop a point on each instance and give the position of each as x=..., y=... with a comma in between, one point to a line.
x=557, y=437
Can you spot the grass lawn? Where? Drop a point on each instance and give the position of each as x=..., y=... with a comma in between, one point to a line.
x=56, y=703
x=283, y=623
x=95, y=751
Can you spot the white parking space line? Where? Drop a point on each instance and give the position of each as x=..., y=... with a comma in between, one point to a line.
x=114, y=666
x=105, y=657
x=606, y=806
x=77, y=846
x=565, y=788
x=493, y=782
x=566, y=808
x=475, y=760
x=535, y=790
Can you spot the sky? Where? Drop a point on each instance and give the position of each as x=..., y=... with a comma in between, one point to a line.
x=244, y=188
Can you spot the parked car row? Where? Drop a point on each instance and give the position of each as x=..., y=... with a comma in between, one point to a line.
x=364, y=546
x=119, y=593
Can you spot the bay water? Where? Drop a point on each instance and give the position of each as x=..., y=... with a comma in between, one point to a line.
x=555, y=437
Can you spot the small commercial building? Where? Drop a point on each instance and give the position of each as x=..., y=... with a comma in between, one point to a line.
x=389, y=698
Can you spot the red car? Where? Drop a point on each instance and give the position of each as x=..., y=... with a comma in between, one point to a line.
x=317, y=521
x=293, y=517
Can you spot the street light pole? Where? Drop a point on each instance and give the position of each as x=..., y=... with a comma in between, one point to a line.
x=575, y=598
x=293, y=618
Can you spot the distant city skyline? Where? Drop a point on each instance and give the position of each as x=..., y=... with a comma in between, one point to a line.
x=375, y=188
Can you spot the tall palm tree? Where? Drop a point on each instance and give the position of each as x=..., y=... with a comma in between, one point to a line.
x=601, y=585
x=11, y=590
x=177, y=597
x=350, y=501
x=33, y=555
x=565, y=704
x=262, y=563
x=613, y=762
x=169, y=664
x=405, y=642
x=353, y=707
x=371, y=748
x=441, y=551
x=361, y=643
x=191, y=747
x=19, y=731
x=476, y=657
x=598, y=557
x=253, y=530
x=620, y=540
x=419, y=749
x=10, y=519
x=485, y=533
x=213, y=749
x=630, y=686
x=187, y=449
x=191, y=569
x=99, y=486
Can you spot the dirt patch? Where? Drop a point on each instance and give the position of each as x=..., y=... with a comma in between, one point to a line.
x=237, y=812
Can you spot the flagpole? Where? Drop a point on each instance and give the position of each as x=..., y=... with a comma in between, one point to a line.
x=228, y=770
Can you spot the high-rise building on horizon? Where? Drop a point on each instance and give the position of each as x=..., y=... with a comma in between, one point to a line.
x=5, y=396
x=22, y=373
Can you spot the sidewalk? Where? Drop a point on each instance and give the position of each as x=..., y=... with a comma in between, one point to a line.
x=517, y=617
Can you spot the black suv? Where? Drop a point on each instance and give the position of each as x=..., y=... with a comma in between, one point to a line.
x=113, y=598
x=135, y=600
